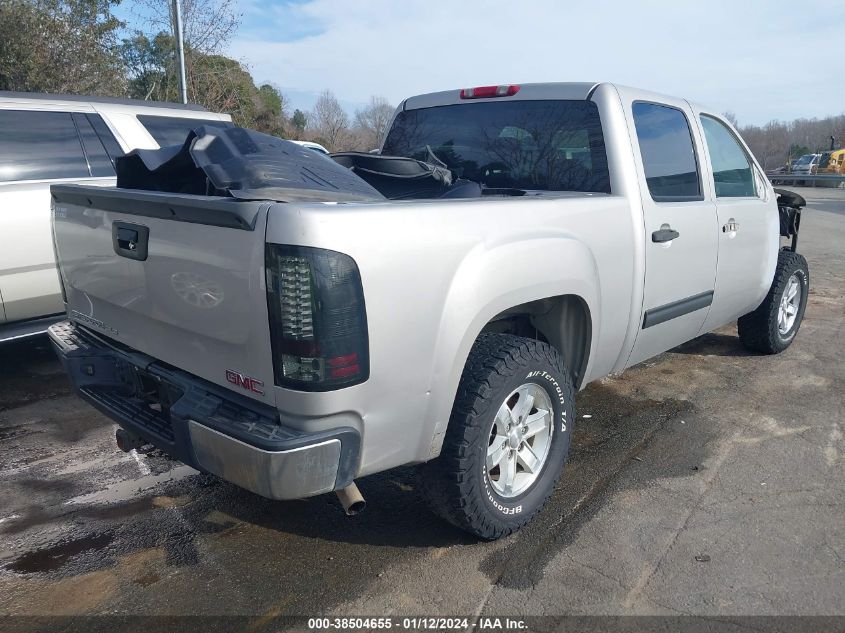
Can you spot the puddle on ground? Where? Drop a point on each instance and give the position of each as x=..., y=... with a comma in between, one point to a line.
x=130, y=488
x=53, y=558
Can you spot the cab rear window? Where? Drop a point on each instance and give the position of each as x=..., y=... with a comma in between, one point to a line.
x=535, y=145
x=172, y=130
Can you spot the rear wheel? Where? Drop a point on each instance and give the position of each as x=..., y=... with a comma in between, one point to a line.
x=507, y=440
x=771, y=328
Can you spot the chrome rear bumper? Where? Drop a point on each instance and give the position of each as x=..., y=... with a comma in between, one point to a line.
x=202, y=424
x=287, y=474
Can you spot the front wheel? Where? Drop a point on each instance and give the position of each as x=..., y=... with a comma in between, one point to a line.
x=773, y=325
x=507, y=439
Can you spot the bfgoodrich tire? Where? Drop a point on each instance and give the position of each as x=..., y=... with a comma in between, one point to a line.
x=507, y=440
x=772, y=327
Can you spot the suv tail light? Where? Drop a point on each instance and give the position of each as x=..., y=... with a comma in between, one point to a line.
x=318, y=324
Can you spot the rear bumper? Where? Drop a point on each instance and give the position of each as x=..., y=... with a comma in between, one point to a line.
x=204, y=425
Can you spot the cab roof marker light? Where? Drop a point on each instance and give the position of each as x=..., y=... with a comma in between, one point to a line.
x=486, y=92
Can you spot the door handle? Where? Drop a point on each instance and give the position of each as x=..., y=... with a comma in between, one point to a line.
x=731, y=227
x=665, y=234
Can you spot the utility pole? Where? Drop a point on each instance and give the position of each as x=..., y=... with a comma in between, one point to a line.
x=180, y=49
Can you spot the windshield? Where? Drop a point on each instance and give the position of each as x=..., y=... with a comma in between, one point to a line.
x=806, y=159
x=539, y=145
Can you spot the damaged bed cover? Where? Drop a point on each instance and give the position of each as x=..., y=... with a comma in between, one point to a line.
x=243, y=164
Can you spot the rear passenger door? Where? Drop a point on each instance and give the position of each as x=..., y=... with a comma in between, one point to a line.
x=680, y=226
x=38, y=148
x=748, y=224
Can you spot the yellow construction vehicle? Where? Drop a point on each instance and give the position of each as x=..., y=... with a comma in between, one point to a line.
x=832, y=162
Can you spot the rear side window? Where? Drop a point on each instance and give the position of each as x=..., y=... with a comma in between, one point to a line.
x=39, y=146
x=520, y=144
x=110, y=143
x=732, y=172
x=172, y=130
x=668, y=154
x=98, y=159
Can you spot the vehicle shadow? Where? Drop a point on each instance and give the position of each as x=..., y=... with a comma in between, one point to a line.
x=611, y=428
x=29, y=371
x=396, y=514
x=714, y=344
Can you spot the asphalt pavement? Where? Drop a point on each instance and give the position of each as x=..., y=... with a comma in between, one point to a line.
x=707, y=481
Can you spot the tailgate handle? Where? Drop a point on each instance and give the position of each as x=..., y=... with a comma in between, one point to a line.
x=130, y=240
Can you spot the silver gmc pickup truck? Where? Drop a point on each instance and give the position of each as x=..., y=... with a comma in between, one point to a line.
x=291, y=344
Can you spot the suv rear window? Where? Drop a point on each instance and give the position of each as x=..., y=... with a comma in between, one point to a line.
x=535, y=145
x=173, y=130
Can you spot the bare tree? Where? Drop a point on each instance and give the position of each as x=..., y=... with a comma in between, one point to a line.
x=150, y=52
x=372, y=121
x=215, y=81
x=208, y=24
x=329, y=122
x=776, y=142
x=730, y=116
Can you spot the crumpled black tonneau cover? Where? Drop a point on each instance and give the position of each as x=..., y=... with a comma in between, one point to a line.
x=244, y=164
x=402, y=178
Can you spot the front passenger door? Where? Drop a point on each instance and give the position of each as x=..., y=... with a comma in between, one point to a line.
x=749, y=235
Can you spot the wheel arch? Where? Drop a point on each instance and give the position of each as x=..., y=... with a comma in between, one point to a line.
x=562, y=321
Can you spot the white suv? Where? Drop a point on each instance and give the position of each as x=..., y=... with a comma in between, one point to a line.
x=46, y=139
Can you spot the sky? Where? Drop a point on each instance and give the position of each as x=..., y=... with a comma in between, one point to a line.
x=762, y=60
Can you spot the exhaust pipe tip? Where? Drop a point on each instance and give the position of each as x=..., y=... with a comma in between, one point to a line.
x=351, y=499
x=356, y=508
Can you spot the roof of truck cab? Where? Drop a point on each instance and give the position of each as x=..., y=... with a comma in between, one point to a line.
x=576, y=90
x=530, y=91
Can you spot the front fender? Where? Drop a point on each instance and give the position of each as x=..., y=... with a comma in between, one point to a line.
x=489, y=280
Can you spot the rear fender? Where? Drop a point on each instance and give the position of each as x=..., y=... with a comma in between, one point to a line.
x=490, y=280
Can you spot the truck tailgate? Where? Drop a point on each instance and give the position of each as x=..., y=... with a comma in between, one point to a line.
x=179, y=278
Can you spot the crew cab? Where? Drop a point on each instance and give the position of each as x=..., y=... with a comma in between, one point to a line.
x=46, y=139
x=293, y=338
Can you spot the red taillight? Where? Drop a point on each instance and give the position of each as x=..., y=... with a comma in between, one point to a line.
x=342, y=361
x=343, y=366
x=344, y=372
x=485, y=92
